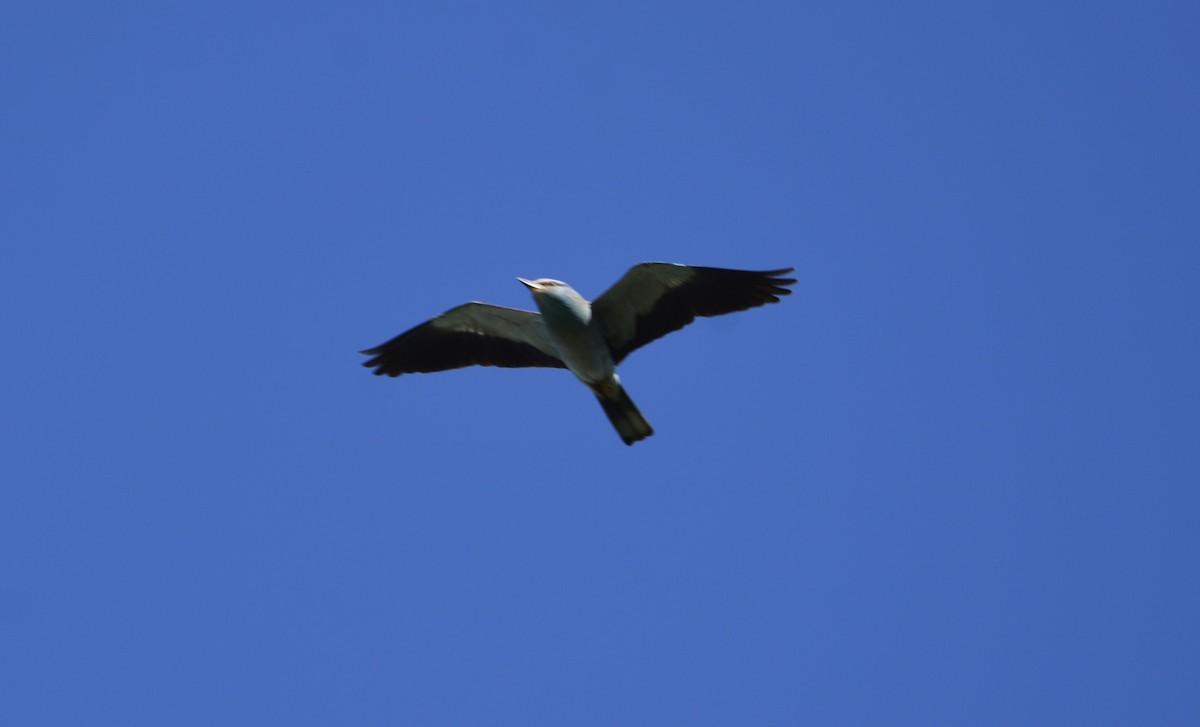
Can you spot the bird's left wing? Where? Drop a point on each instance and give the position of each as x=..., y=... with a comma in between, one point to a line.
x=653, y=299
x=473, y=334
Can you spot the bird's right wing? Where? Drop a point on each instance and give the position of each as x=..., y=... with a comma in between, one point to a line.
x=473, y=334
x=653, y=299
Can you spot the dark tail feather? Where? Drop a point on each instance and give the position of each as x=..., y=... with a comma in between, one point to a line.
x=624, y=415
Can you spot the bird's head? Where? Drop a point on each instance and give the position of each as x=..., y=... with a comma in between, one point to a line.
x=555, y=294
x=543, y=285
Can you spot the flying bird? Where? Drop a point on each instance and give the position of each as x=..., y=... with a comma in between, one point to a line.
x=588, y=339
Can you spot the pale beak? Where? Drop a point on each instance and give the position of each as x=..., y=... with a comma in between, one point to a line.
x=528, y=283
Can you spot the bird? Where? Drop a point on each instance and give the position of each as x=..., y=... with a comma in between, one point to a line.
x=589, y=339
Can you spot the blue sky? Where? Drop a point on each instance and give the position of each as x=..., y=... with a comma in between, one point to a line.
x=951, y=480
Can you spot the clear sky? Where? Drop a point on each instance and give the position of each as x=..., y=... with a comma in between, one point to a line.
x=951, y=480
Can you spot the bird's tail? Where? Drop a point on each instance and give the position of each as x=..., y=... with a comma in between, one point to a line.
x=623, y=413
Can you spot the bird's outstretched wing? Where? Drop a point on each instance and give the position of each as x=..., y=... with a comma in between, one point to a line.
x=653, y=299
x=473, y=334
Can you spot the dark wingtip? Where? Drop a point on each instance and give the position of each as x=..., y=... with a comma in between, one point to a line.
x=776, y=282
x=379, y=368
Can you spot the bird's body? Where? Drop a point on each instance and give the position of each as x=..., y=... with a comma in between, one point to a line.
x=581, y=345
x=568, y=319
x=588, y=339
